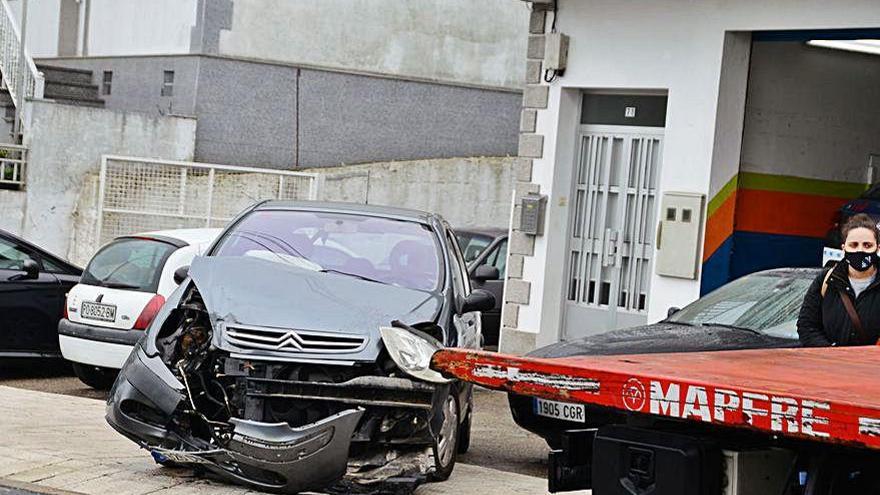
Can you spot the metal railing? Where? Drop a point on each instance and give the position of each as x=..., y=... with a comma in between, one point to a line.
x=144, y=194
x=13, y=161
x=13, y=66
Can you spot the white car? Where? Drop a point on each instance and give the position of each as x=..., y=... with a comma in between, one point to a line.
x=121, y=290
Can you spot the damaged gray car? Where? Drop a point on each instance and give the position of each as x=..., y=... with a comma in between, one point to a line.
x=294, y=355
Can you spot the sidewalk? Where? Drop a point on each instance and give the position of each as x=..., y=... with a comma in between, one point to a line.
x=62, y=442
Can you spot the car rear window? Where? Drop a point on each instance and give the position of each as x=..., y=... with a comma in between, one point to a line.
x=134, y=264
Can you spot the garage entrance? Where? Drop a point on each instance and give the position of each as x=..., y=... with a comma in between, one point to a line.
x=614, y=187
x=810, y=146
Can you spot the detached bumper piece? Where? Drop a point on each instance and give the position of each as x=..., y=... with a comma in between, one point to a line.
x=277, y=457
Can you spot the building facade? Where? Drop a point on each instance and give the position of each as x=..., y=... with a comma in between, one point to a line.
x=683, y=145
x=302, y=84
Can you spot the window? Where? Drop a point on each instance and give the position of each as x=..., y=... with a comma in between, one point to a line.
x=459, y=267
x=107, y=82
x=498, y=259
x=388, y=251
x=12, y=256
x=52, y=267
x=134, y=264
x=168, y=83
x=472, y=244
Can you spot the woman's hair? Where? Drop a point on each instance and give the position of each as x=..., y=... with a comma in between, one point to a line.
x=860, y=221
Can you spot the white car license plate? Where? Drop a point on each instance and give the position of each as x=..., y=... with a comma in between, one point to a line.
x=560, y=410
x=96, y=311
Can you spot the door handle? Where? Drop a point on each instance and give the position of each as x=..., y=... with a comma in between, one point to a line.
x=659, y=233
x=612, y=245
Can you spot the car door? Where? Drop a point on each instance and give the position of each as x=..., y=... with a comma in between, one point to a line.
x=495, y=255
x=468, y=324
x=29, y=307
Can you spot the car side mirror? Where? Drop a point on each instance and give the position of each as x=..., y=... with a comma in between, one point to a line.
x=180, y=274
x=478, y=300
x=31, y=269
x=486, y=272
x=671, y=311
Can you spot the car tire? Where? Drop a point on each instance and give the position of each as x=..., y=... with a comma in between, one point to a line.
x=445, y=447
x=464, y=434
x=95, y=376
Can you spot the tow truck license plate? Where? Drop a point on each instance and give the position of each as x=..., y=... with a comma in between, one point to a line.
x=95, y=311
x=560, y=410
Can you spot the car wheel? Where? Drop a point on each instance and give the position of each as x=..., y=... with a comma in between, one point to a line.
x=464, y=434
x=95, y=376
x=446, y=441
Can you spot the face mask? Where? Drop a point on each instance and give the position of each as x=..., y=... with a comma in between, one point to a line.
x=860, y=260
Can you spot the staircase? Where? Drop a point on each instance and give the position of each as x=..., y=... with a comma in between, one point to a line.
x=63, y=85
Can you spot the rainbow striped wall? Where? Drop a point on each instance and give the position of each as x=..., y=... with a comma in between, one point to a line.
x=759, y=221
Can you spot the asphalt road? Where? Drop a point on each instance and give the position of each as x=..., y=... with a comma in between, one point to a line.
x=496, y=441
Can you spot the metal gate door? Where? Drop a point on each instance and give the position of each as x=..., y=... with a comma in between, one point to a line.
x=612, y=228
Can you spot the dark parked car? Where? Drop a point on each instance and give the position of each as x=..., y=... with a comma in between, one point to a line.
x=753, y=312
x=485, y=251
x=868, y=202
x=33, y=284
x=300, y=344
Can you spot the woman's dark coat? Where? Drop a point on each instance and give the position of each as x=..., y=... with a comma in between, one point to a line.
x=823, y=321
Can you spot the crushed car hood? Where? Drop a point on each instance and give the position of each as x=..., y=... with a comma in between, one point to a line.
x=254, y=292
x=662, y=337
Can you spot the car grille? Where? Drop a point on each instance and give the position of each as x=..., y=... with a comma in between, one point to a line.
x=298, y=341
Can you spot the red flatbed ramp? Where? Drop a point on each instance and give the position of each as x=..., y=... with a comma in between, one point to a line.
x=823, y=394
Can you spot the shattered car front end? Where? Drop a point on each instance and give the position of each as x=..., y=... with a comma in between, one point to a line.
x=227, y=381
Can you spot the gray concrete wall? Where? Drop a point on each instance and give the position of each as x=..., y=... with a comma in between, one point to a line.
x=11, y=210
x=281, y=116
x=66, y=145
x=459, y=41
x=347, y=118
x=811, y=112
x=137, y=82
x=468, y=192
x=479, y=42
x=247, y=113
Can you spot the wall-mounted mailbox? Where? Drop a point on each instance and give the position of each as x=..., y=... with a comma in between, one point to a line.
x=534, y=208
x=678, y=234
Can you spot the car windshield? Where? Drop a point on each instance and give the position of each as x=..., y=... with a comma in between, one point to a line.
x=768, y=304
x=382, y=250
x=134, y=264
x=472, y=244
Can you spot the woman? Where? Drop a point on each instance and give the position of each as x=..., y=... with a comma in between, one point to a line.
x=842, y=306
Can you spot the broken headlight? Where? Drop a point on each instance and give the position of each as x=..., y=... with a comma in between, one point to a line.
x=412, y=353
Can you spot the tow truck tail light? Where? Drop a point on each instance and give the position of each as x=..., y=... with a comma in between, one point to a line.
x=149, y=312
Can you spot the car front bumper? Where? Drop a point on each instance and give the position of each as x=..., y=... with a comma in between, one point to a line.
x=96, y=346
x=147, y=403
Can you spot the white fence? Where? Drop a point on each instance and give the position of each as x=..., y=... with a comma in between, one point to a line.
x=13, y=160
x=143, y=194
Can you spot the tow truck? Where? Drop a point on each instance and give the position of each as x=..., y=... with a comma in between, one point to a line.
x=772, y=421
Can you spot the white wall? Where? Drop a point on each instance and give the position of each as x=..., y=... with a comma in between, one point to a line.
x=42, y=29
x=812, y=112
x=11, y=210
x=673, y=45
x=118, y=27
x=481, y=42
x=66, y=143
x=467, y=192
x=141, y=27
